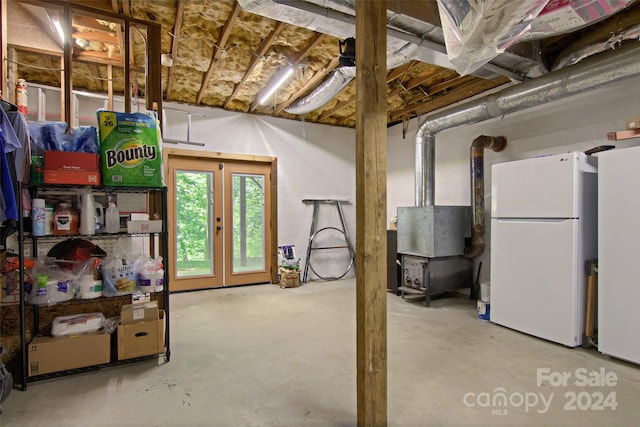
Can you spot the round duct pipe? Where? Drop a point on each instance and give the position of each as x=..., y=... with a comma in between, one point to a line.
x=594, y=72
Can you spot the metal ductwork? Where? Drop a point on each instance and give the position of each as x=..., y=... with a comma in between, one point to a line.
x=589, y=74
x=497, y=144
x=340, y=77
x=408, y=39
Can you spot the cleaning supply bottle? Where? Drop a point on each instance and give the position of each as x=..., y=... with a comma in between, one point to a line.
x=38, y=217
x=112, y=219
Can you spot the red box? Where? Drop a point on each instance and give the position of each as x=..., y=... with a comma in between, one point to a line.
x=71, y=177
x=68, y=161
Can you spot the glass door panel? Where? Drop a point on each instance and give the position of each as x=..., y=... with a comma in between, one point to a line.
x=248, y=223
x=194, y=216
x=248, y=230
x=195, y=226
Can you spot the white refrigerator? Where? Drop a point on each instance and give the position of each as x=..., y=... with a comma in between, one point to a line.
x=618, y=256
x=543, y=230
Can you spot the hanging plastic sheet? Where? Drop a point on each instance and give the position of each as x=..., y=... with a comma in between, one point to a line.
x=476, y=31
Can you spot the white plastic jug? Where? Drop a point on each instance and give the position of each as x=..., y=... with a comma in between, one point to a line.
x=112, y=219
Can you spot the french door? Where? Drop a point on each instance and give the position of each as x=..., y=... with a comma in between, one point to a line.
x=219, y=222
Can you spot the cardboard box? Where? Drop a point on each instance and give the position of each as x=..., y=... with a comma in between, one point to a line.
x=136, y=313
x=68, y=161
x=633, y=122
x=49, y=354
x=141, y=339
x=147, y=226
x=71, y=177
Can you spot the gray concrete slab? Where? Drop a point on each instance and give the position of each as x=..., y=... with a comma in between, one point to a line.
x=266, y=356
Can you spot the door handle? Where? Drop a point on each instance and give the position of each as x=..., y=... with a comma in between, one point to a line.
x=219, y=228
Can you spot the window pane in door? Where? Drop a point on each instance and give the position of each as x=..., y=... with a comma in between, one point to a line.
x=194, y=210
x=248, y=223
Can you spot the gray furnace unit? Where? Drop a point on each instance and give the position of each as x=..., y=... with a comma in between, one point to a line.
x=431, y=241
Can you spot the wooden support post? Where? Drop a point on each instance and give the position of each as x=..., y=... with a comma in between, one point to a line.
x=371, y=212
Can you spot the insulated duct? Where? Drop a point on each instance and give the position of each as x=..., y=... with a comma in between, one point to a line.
x=340, y=77
x=594, y=72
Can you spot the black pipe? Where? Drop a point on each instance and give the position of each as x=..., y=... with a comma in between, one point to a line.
x=497, y=144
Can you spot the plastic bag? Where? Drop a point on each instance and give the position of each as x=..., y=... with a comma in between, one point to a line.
x=476, y=31
x=46, y=136
x=75, y=324
x=150, y=274
x=119, y=273
x=51, y=284
x=83, y=139
x=89, y=274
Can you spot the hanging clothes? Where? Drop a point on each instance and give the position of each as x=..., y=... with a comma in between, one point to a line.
x=8, y=209
x=9, y=143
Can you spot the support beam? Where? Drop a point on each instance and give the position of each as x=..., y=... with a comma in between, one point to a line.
x=371, y=212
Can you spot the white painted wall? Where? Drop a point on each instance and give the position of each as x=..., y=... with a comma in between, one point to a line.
x=318, y=161
x=574, y=124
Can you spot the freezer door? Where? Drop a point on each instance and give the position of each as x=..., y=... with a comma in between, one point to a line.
x=542, y=187
x=535, y=279
x=618, y=237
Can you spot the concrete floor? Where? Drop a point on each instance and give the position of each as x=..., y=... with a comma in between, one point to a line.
x=265, y=356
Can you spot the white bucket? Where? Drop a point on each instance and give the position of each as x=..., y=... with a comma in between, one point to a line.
x=485, y=291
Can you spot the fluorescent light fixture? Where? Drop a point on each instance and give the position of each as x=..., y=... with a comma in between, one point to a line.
x=275, y=83
x=58, y=26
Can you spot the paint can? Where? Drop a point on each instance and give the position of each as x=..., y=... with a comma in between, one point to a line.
x=485, y=291
x=484, y=311
x=484, y=303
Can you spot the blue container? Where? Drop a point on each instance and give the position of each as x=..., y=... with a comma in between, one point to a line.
x=484, y=311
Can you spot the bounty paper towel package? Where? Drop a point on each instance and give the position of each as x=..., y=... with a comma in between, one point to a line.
x=130, y=149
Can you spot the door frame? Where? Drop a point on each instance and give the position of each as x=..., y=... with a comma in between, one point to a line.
x=272, y=209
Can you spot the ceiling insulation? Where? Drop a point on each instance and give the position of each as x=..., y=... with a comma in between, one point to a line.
x=224, y=53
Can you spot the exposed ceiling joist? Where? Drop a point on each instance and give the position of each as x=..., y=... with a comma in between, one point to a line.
x=87, y=23
x=470, y=89
x=339, y=106
x=391, y=76
x=96, y=36
x=399, y=71
x=317, y=38
x=177, y=28
x=262, y=50
x=217, y=48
